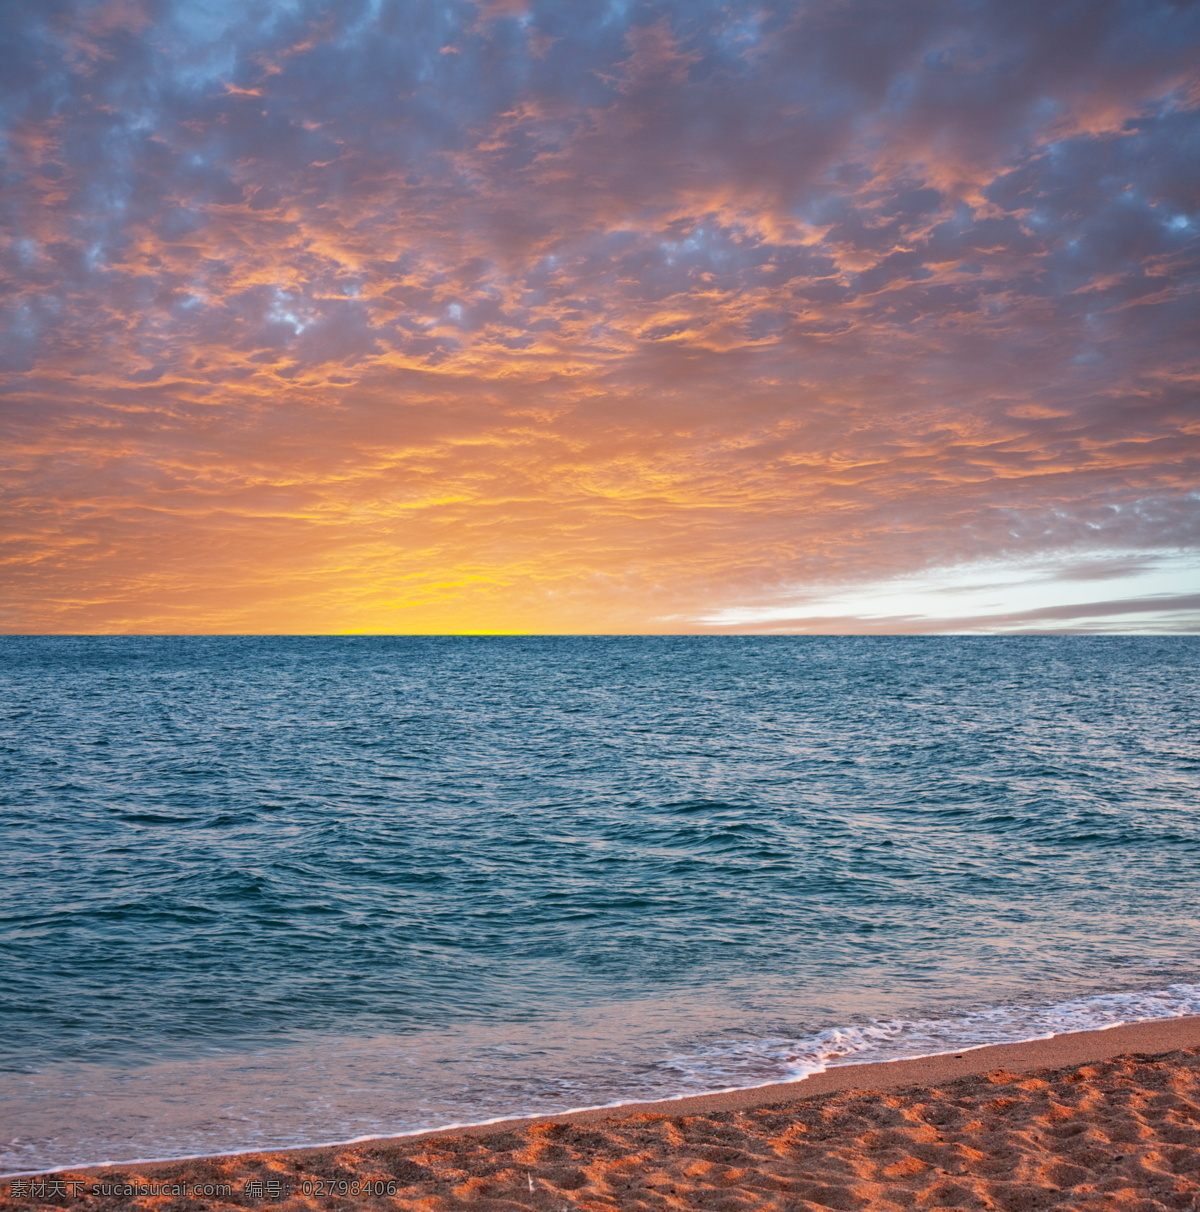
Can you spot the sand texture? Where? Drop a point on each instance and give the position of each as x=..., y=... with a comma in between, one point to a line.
x=1117, y=1133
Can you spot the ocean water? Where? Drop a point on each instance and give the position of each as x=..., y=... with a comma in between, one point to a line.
x=270, y=891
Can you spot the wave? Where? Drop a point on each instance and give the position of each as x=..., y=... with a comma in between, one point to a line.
x=733, y=1064
x=336, y=1091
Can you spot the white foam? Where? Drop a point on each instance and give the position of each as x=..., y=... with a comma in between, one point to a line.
x=790, y=1059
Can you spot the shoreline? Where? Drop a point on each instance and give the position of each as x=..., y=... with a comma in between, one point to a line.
x=1154, y=1037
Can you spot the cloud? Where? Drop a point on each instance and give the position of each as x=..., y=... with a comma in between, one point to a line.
x=1159, y=592
x=610, y=316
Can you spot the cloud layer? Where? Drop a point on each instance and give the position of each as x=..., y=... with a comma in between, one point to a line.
x=521, y=315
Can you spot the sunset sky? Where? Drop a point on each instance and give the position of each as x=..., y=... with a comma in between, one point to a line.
x=600, y=316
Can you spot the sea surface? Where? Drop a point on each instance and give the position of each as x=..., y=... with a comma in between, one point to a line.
x=261, y=892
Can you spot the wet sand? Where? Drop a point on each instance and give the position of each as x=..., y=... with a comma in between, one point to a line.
x=1088, y=1121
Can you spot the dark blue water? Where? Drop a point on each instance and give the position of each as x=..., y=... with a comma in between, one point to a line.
x=264, y=891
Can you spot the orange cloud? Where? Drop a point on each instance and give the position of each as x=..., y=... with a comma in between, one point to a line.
x=597, y=324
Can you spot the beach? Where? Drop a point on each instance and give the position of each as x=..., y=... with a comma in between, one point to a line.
x=1087, y=1120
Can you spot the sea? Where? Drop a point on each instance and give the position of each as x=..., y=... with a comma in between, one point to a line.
x=263, y=891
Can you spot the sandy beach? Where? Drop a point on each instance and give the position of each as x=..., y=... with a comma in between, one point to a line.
x=1091, y=1120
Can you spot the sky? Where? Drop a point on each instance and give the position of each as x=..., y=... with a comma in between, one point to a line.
x=402, y=316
